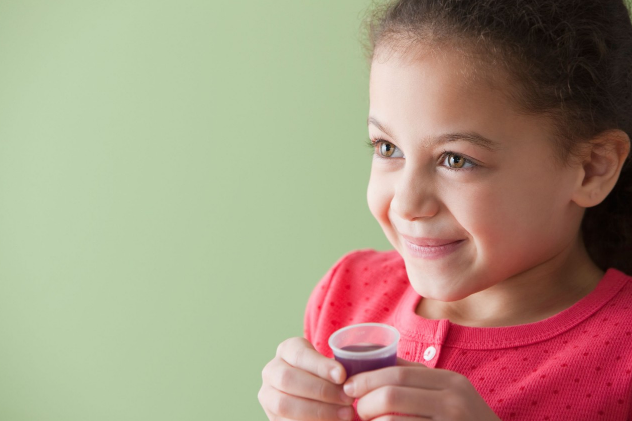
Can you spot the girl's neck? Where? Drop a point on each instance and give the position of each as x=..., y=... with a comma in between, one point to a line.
x=531, y=296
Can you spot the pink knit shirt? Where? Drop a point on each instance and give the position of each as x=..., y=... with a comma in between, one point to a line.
x=576, y=365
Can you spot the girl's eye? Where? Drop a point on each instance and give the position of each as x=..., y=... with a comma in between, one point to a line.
x=456, y=162
x=387, y=150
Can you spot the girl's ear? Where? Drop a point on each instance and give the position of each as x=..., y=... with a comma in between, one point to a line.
x=601, y=165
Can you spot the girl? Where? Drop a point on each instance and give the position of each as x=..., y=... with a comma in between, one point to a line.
x=500, y=131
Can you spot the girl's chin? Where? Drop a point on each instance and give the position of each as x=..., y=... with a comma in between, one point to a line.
x=435, y=270
x=442, y=286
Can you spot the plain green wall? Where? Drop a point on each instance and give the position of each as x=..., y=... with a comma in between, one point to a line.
x=175, y=177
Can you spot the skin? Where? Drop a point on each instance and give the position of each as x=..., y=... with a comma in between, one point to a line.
x=514, y=207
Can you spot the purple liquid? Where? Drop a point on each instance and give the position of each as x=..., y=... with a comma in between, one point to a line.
x=354, y=366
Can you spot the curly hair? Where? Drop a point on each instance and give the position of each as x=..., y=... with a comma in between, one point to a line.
x=569, y=59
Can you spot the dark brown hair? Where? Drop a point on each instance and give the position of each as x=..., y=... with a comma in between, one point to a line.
x=569, y=59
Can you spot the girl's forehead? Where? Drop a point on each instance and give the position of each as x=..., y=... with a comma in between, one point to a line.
x=462, y=65
x=434, y=94
x=410, y=74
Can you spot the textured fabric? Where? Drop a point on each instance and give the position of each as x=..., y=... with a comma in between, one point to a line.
x=576, y=365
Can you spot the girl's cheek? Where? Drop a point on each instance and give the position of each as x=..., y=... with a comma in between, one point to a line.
x=478, y=211
x=379, y=196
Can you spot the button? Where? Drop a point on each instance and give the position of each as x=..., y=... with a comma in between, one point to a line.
x=430, y=353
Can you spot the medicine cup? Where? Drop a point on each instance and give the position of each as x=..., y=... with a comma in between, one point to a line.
x=365, y=346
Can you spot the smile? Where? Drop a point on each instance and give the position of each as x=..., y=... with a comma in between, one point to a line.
x=432, y=248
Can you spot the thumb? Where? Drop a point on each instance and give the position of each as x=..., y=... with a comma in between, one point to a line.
x=403, y=362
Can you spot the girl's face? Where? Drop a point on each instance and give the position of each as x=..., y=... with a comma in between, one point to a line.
x=469, y=191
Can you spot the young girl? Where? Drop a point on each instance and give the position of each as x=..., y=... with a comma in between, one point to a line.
x=500, y=131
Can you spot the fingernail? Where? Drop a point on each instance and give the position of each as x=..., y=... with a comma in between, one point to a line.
x=349, y=388
x=335, y=374
x=345, y=413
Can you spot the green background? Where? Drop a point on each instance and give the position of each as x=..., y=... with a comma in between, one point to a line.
x=175, y=177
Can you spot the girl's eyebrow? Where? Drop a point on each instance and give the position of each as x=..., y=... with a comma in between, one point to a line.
x=471, y=137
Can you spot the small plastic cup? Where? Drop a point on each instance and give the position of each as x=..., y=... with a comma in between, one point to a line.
x=365, y=347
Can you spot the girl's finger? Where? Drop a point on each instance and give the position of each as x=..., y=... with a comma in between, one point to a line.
x=299, y=353
x=402, y=400
x=273, y=417
x=417, y=377
x=403, y=362
x=295, y=381
x=283, y=405
x=400, y=418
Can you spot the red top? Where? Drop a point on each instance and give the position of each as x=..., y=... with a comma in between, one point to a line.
x=576, y=365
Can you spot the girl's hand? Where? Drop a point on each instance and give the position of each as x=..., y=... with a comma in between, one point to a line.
x=419, y=392
x=303, y=385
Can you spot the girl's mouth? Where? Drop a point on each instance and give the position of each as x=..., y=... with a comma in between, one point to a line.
x=431, y=248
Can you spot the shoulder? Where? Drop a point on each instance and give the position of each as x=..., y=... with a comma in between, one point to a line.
x=363, y=270
x=608, y=330
x=369, y=262
x=351, y=291
x=617, y=291
x=608, y=309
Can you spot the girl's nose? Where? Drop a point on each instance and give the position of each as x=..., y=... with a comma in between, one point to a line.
x=414, y=197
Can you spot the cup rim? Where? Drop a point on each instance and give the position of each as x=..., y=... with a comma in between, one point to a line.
x=364, y=354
